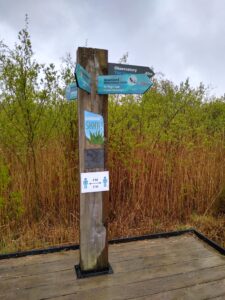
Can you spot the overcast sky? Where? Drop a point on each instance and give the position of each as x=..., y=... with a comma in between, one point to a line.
x=180, y=38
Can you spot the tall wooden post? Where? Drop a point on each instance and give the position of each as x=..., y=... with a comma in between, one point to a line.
x=92, y=158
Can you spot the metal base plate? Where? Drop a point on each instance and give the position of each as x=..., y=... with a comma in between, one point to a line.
x=84, y=274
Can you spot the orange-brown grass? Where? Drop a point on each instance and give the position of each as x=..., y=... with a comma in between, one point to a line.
x=152, y=189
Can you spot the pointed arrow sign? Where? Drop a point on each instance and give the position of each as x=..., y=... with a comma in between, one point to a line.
x=83, y=78
x=123, y=84
x=119, y=69
x=71, y=91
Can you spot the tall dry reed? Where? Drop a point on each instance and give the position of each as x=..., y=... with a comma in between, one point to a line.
x=153, y=189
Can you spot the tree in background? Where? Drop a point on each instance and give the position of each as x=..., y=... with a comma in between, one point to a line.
x=166, y=153
x=28, y=94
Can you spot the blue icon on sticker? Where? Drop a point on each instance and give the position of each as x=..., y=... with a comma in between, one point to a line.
x=105, y=181
x=85, y=183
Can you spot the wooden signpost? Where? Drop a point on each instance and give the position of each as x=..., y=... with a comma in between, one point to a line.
x=92, y=112
x=94, y=85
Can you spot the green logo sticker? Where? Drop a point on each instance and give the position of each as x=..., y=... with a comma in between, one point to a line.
x=94, y=128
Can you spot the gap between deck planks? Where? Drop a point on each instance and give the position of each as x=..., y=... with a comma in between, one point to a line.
x=152, y=267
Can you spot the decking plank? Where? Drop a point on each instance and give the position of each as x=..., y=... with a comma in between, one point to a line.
x=62, y=285
x=115, y=248
x=221, y=297
x=146, y=287
x=200, y=291
x=142, y=269
x=50, y=277
x=29, y=263
x=144, y=255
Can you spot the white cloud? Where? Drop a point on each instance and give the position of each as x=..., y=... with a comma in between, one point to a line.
x=180, y=38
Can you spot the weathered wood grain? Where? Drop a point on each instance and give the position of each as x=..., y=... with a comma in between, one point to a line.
x=199, y=291
x=117, y=254
x=67, y=276
x=221, y=297
x=93, y=206
x=173, y=269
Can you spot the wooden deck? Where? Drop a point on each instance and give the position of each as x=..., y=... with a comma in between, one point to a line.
x=172, y=268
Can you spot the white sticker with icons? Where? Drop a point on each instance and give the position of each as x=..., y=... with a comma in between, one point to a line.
x=92, y=182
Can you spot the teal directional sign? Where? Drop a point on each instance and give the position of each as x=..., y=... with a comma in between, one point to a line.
x=123, y=84
x=83, y=78
x=71, y=91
